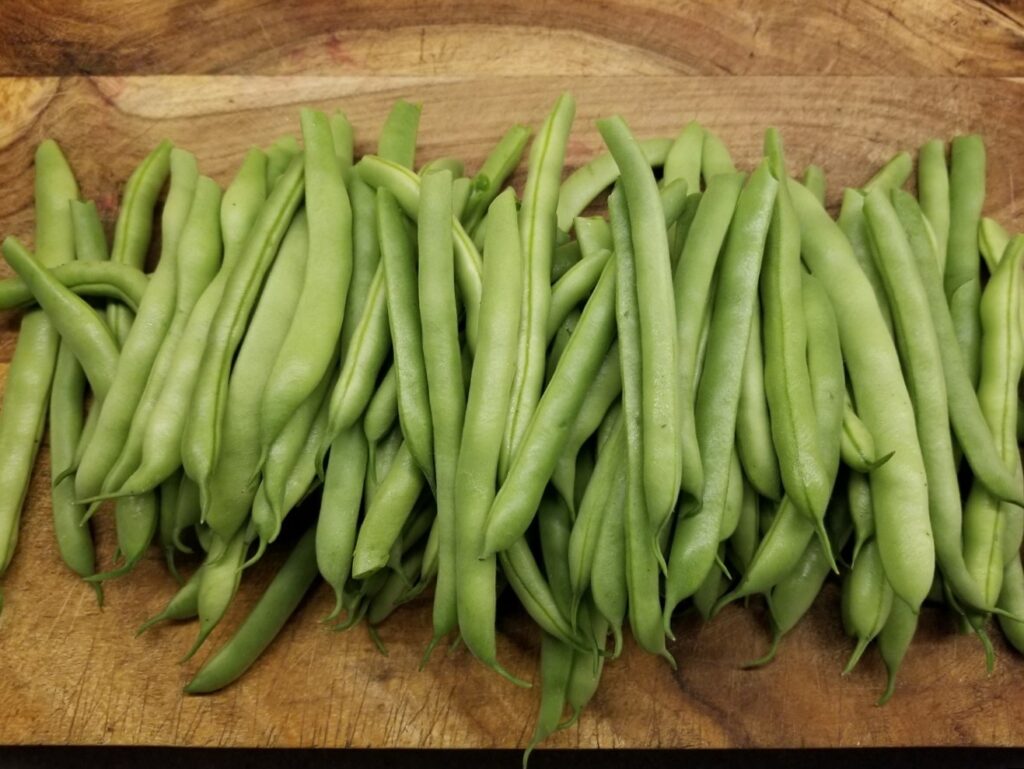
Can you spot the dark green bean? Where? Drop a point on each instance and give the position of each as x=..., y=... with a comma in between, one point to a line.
x=263, y=623
x=496, y=169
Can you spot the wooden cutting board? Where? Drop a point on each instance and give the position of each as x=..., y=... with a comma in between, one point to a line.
x=73, y=673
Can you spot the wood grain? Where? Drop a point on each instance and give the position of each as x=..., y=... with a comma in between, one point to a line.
x=74, y=674
x=463, y=37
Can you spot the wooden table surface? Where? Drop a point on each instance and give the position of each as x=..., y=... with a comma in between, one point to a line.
x=848, y=84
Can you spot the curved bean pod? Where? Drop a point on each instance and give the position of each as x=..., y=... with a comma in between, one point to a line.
x=696, y=537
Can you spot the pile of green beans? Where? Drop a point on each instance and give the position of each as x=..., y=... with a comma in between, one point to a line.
x=713, y=391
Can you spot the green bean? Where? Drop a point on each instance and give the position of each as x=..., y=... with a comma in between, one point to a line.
x=607, y=487
x=870, y=598
x=106, y=280
x=711, y=589
x=587, y=668
x=828, y=378
x=66, y=418
x=496, y=169
x=1002, y=358
x=343, y=138
x=594, y=235
x=642, y=550
x=231, y=485
x=187, y=511
x=339, y=511
x=857, y=445
x=182, y=606
x=715, y=158
x=1011, y=601
x=218, y=582
x=90, y=240
x=135, y=221
x=387, y=513
x=962, y=278
x=286, y=474
x=555, y=670
x=168, y=506
x=573, y=287
x=444, y=388
x=554, y=526
x=135, y=520
x=851, y=222
x=161, y=445
x=461, y=187
x=603, y=393
x=141, y=346
x=753, y=422
x=365, y=253
x=564, y=258
x=549, y=429
x=537, y=224
x=201, y=440
x=80, y=328
x=67, y=397
x=453, y=166
x=31, y=370
x=919, y=348
x=684, y=157
x=382, y=410
x=534, y=593
x=584, y=184
x=683, y=224
x=744, y=541
x=692, y=284
x=965, y=413
x=894, y=640
x=396, y=590
x=733, y=501
x=399, y=262
x=279, y=155
x=304, y=358
x=263, y=623
x=861, y=511
x=368, y=347
x=899, y=487
x=674, y=199
x=814, y=181
x=197, y=263
x=933, y=191
x=777, y=554
x=397, y=141
x=405, y=186
x=662, y=444
x=608, y=573
x=992, y=241
x=793, y=596
x=696, y=536
x=892, y=175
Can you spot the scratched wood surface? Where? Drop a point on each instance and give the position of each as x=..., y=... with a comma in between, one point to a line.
x=574, y=37
x=73, y=673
